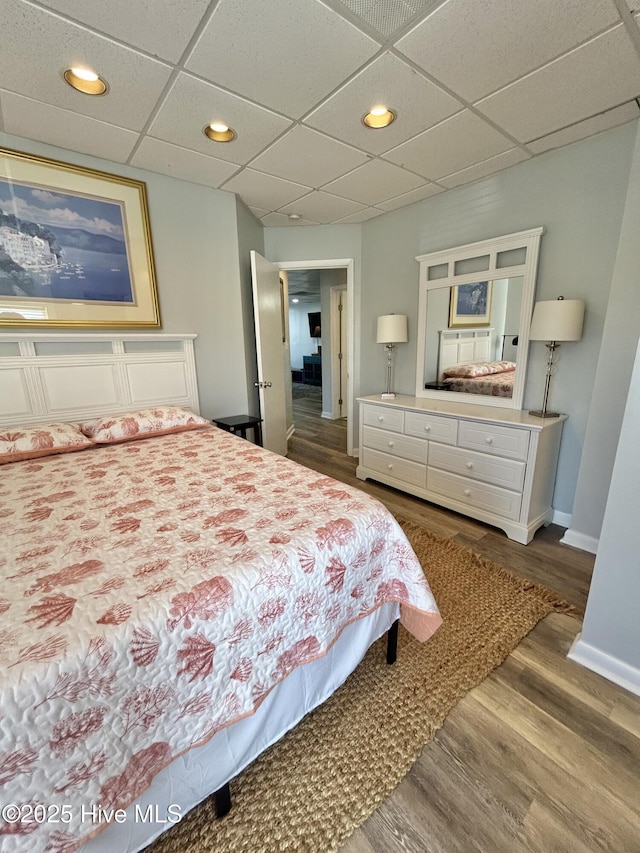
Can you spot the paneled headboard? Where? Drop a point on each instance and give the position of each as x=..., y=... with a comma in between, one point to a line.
x=52, y=377
x=463, y=346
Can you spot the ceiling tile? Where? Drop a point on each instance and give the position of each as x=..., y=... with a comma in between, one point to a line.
x=38, y=46
x=308, y=157
x=288, y=54
x=475, y=48
x=160, y=27
x=360, y=216
x=583, y=129
x=602, y=74
x=481, y=170
x=167, y=159
x=412, y=197
x=259, y=190
x=322, y=207
x=374, y=182
x=34, y=120
x=192, y=104
x=418, y=103
x=282, y=220
x=460, y=141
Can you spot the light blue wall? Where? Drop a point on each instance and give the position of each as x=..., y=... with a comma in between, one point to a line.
x=577, y=194
x=619, y=340
x=195, y=238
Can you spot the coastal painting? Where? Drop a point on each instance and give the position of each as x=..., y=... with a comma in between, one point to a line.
x=75, y=247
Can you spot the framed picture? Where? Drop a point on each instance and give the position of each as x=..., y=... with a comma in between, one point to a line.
x=470, y=305
x=75, y=247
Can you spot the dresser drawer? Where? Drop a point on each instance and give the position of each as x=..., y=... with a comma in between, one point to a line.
x=400, y=469
x=383, y=417
x=490, y=438
x=508, y=473
x=433, y=427
x=492, y=499
x=398, y=445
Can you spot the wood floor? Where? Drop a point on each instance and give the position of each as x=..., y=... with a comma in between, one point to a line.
x=544, y=755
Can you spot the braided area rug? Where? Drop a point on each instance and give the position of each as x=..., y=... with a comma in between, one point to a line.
x=325, y=777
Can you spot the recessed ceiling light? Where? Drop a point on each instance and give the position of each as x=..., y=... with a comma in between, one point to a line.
x=379, y=117
x=219, y=132
x=295, y=299
x=295, y=216
x=85, y=81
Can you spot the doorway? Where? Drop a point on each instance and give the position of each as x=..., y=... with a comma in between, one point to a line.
x=330, y=355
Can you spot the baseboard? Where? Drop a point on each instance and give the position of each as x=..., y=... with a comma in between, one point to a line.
x=613, y=669
x=328, y=416
x=580, y=540
x=561, y=518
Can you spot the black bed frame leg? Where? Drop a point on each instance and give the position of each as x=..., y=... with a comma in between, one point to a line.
x=223, y=800
x=392, y=642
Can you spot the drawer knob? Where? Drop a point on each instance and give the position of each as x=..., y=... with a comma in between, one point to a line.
x=427, y=428
x=489, y=440
x=380, y=418
x=390, y=467
x=391, y=443
x=467, y=492
x=469, y=465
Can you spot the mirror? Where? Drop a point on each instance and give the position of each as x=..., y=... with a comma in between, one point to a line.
x=473, y=320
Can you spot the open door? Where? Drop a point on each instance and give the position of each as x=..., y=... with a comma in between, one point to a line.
x=269, y=303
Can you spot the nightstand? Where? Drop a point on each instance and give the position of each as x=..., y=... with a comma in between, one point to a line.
x=239, y=424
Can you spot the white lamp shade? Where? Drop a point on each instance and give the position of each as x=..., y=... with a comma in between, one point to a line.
x=392, y=329
x=557, y=320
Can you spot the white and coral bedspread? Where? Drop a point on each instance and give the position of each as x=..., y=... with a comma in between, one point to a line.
x=155, y=591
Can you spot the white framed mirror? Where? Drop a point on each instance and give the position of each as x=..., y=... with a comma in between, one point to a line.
x=474, y=312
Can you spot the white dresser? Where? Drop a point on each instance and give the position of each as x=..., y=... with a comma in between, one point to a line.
x=496, y=465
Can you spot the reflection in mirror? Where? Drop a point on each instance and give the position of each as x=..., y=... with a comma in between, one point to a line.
x=474, y=312
x=469, y=357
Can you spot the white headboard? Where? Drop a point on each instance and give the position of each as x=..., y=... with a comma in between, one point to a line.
x=463, y=346
x=53, y=377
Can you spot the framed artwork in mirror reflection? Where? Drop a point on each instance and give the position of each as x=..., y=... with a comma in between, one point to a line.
x=470, y=305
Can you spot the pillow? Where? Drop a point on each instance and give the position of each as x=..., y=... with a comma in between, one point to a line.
x=160, y=420
x=486, y=368
x=33, y=440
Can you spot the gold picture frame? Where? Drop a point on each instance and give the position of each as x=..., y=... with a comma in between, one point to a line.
x=75, y=247
x=470, y=304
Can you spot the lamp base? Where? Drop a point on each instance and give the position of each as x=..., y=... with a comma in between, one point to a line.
x=545, y=414
x=388, y=395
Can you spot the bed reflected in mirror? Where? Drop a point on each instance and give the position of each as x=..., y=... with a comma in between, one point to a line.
x=474, y=312
x=469, y=357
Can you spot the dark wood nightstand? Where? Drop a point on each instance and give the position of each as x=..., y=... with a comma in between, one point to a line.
x=239, y=424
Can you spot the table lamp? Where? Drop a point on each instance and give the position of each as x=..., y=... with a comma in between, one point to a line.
x=392, y=330
x=555, y=321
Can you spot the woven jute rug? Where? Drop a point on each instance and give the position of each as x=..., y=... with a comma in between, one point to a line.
x=323, y=779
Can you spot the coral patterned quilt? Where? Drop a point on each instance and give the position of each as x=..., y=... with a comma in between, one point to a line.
x=154, y=592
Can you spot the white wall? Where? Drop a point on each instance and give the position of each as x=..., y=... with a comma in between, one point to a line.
x=195, y=240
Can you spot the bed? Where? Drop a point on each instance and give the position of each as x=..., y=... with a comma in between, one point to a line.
x=173, y=598
x=465, y=363
x=476, y=378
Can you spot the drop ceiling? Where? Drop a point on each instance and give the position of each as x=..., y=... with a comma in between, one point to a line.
x=477, y=86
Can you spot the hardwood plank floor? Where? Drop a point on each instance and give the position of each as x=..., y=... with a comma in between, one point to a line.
x=544, y=755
